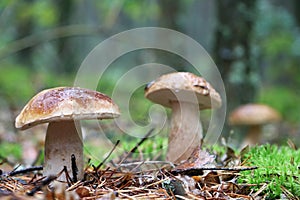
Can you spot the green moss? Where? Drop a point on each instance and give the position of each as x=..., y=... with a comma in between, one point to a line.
x=152, y=148
x=277, y=166
x=10, y=151
x=215, y=149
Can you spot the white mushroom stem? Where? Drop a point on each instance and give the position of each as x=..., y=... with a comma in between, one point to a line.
x=186, y=131
x=62, y=140
x=253, y=136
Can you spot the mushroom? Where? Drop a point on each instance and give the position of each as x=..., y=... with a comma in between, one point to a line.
x=62, y=108
x=254, y=116
x=185, y=93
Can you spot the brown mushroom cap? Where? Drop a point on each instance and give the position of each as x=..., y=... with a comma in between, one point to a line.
x=253, y=114
x=183, y=85
x=66, y=103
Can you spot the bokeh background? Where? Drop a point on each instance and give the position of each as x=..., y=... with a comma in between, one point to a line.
x=255, y=44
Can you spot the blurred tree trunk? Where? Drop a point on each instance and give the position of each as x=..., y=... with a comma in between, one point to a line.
x=297, y=11
x=232, y=50
x=169, y=17
x=169, y=10
x=24, y=28
x=64, y=50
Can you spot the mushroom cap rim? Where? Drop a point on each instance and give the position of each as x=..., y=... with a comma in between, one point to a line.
x=72, y=103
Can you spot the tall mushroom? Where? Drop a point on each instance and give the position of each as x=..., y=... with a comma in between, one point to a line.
x=254, y=116
x=185, y=93
x=62, y=108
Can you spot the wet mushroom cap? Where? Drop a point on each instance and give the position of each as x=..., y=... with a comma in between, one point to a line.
x=66, y=103
x=253, y=114
x=182, y=85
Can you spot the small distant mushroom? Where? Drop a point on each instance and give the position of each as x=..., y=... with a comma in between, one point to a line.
x=62, y=108
x=254, y=116
x=185, y=93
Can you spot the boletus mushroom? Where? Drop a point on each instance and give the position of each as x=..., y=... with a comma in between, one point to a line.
x=185, y=93
x=254, y=116
x=62, y=108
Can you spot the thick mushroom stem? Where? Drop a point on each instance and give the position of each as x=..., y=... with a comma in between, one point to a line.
x=186, y=131
x=63, y=140
x=253, y=136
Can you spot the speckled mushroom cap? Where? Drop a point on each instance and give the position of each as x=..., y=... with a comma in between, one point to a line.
x=66, y=103
x=182, y=86
x=253, y=114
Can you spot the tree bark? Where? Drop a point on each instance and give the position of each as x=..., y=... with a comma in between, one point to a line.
x=232, y=50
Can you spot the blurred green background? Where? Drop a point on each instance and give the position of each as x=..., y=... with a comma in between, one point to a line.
x=255, y=44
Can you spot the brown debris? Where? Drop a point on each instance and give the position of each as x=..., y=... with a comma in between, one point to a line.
x=113, y=184
x=196, y=178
